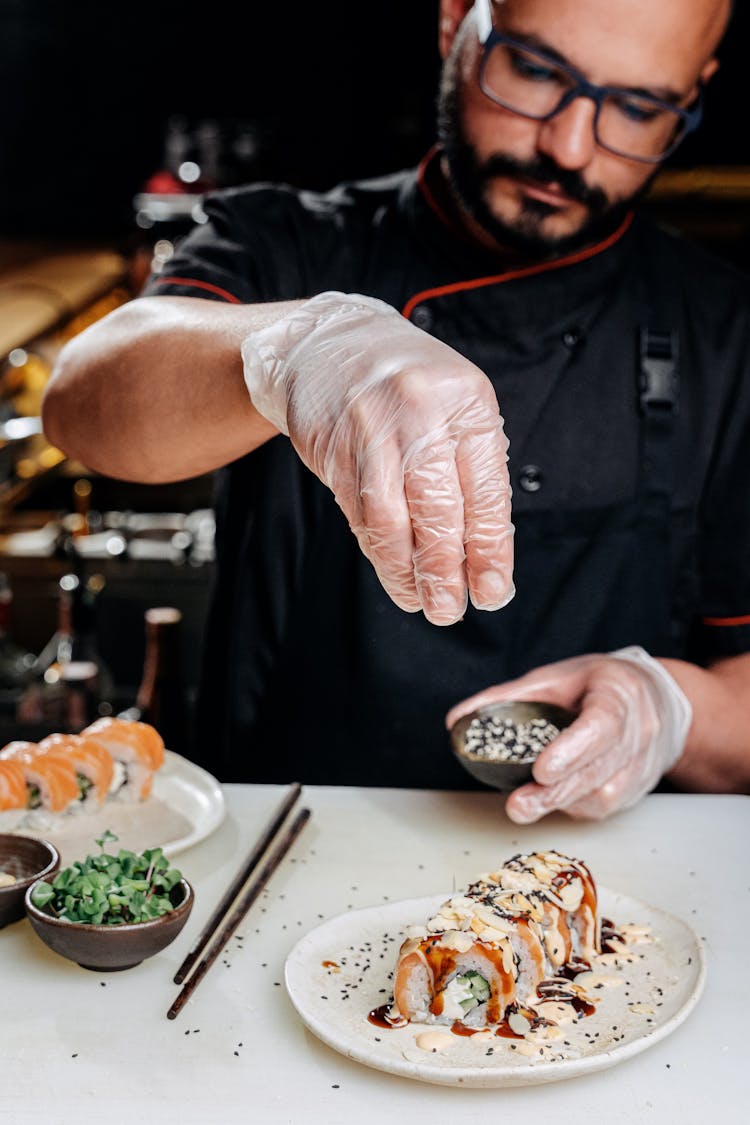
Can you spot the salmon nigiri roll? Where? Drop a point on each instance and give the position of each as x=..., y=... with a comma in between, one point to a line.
x=137, y=747
x=93, y=763
x=51, y=782
x=153, y=742
x=17, y=750
x=13, y=791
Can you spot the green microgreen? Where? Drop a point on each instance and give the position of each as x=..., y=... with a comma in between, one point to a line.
x=111, y=890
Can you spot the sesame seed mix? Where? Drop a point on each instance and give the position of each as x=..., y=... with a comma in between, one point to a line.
x=497, y=739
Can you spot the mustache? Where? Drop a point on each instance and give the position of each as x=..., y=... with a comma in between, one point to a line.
x=544, y=170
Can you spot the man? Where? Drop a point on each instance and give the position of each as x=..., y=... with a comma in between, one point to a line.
x=379, y=326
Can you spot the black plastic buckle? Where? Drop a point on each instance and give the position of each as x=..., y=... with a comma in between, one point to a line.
x=657, y=382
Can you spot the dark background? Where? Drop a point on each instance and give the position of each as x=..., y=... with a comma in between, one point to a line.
x=309, y=93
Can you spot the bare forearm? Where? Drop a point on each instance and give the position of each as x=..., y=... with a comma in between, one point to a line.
x=155, y=392
x=717, y=752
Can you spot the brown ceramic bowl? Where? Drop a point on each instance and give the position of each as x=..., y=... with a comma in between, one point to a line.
x=27, y=860
x=505, y=775
x=111, y=948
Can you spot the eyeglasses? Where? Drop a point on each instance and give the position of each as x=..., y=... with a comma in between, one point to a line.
x=532, y=84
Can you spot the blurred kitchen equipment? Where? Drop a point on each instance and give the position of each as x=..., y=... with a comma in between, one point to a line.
x=45, y=299
x=70, y=684
x=16, y=429
x=16, y=662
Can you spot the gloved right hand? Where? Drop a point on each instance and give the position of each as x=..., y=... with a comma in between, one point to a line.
x=408, y=436
x=632, y=727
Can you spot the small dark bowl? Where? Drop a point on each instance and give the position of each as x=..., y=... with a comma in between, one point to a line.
x=505, y=775
x=28, y=860
x=108, y=949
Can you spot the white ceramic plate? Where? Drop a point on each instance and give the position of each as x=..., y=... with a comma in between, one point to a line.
x=186, y=805
x=195, y=793
x=343, y=969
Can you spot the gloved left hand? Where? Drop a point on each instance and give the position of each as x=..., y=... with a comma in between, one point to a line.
x=633, y=723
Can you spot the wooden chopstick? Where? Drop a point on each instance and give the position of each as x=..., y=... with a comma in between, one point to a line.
x=239, y=881
x=245, y=901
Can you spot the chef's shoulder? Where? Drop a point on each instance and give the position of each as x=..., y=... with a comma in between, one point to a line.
x=276, y=241
x=284, y=211
x=708, y=283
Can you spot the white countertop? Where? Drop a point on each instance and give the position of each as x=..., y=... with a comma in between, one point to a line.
x=84, y=1047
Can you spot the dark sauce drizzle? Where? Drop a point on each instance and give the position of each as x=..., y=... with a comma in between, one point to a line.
x=610, y=934
x=381, y=1017
x=546, y=990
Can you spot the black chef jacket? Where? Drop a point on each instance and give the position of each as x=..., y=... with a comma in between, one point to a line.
x=631, y=508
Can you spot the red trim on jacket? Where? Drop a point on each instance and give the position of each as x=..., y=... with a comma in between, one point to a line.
x=198, y=285
x=424, y=187
x=512, y=275
x=722, y=621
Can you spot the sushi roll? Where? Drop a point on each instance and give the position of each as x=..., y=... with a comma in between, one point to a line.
x=13, y=791
x=486, y=954
x=564, y=891
x=137, y=749
x=93, y=763
x=51, y=782
x=153, y=742
x=14, y=795
x=450, y=976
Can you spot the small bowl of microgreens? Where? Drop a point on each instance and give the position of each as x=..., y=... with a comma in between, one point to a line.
x=110, y=912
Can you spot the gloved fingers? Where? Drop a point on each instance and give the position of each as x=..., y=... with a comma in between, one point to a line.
x=362, y=464
x=621, y=791
x=603, y=724
x=433, y=495
x=384, y=528
x=531, y=802
x=482, y=461
x=562, y=683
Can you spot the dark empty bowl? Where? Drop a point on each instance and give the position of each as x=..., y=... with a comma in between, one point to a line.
x=27, y=860
x=110, y=948
x=506, y=774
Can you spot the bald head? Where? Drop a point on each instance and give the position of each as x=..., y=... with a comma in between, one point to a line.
x=711, y=20
x=658, y=32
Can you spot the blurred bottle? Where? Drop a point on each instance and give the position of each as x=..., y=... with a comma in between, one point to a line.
x=71, y=684
x=161, y=699
x=16, y=662
x=82, y=507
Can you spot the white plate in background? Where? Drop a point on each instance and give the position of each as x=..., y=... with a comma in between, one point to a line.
x=186, y=805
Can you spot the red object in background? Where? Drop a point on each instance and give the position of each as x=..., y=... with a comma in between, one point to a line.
x=165, y=182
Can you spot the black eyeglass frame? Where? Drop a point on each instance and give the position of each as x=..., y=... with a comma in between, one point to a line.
x=489, y=37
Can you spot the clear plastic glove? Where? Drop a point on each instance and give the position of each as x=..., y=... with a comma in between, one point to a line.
x=408, y=436
x=633, y=723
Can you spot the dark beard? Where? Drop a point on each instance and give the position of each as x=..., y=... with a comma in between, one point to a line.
x=467, y=178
